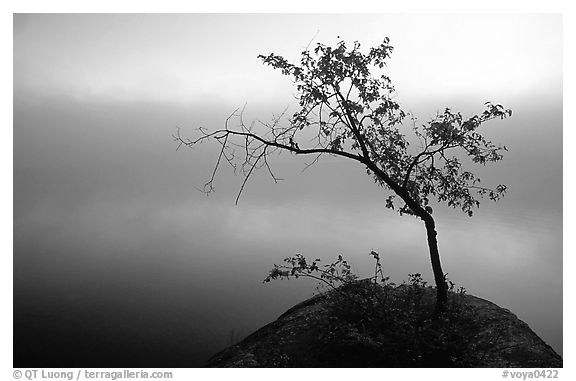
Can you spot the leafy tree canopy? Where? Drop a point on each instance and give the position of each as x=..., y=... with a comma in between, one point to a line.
x=353, y=110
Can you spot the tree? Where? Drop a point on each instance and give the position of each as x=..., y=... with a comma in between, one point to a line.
x=346, y=102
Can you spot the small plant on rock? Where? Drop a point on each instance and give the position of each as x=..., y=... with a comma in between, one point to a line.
x=374, y=322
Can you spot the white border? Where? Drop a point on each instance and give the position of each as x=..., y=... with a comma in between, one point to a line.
x=294, y=6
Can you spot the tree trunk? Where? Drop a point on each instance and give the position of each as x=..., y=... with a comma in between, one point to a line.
x=441, y=286
x=418, y=210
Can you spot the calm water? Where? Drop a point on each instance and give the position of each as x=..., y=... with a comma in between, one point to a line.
x=119, y=261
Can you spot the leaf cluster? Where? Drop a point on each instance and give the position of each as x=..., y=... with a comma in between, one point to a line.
x=332, y=274
x=433, y=172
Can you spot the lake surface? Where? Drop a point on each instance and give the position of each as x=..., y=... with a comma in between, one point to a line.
x=119, y=261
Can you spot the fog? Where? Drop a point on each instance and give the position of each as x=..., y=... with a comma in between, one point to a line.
x=120, y=261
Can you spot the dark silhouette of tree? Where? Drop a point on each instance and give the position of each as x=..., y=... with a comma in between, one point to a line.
x=346, y=104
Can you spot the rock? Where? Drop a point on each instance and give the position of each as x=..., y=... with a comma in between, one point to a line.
x=365, y=325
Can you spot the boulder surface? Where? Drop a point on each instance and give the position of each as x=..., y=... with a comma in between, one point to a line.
x=367, y=325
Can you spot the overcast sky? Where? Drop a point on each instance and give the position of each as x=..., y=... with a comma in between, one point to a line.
x=105, y=206
x=187, y=58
